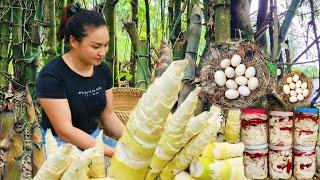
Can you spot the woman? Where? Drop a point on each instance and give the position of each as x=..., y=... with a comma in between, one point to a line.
x=74, y=89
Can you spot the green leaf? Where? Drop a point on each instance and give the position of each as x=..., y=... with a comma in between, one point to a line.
x=272, y=67
x=128, y=76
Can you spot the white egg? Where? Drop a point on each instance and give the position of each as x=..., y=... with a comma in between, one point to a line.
x=235, y=60
x=220, y=78
x=304, y=85
x=286, y=89
x=253, y=83
x=225, y=63
x=293, y=93
x=231, y=84
x=299, y=90
x=293, y=99
x=244, y=90
x=231, y=94
x=229, y=71
x=250, y=72
x=300, y=97
x=289, y=80
x=305, y=92
x=298, y=84
x=241, y=80
x=240, y=70
x=292, y=85
x=295, y=78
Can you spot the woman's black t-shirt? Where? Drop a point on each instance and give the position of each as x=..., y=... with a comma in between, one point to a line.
x=86, y=95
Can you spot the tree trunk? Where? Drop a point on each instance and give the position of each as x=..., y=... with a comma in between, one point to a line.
x=17, y=44
x=33, y=44
x=148, y=32
x=143, y=73
x=131, y=28
x=271, y=24
x=191, y=52
x=288, y=19
x=134, y=10
x=4, y=43
x=276, y=48
x=111, y=58
x=262, y=22
x=222, y=21
x=177, y=21
x=170, y=15
x=240, y=19
x=50, y=40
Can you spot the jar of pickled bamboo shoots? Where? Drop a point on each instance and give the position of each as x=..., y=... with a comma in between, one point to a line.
x=280, y=128
x=256, y=161
x=318, y=156
x=304, y=162
x=306, y=126
x=280, y=162
x=254, y=127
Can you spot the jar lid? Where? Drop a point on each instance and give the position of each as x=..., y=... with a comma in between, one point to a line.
x=256, y=147
x=304, y=148
x=280, y=148
x=280, y=113
x=253, y=111
x=308, y=110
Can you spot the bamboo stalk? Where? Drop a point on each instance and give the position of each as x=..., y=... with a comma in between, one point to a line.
x=143, y=73
x=4, y=43
x=222, y=20
x=50, y=40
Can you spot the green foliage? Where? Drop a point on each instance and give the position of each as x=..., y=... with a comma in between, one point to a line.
x=126, y=75
x=308, y=70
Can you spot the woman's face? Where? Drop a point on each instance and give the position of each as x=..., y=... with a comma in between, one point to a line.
x=93, y=48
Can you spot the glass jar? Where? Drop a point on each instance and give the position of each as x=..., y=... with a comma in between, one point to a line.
x=256, y=161
x=304, y=162
x=254, y=127
x=280, y=128
x=305, y=126
x=280, y=162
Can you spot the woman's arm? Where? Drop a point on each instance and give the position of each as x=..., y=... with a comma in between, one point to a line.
x=109, y=119
x=59, y=114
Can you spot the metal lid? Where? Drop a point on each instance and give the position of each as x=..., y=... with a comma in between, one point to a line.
x=254, y=111
x=305, y=148
x=256, y=147
x=308, y=110
x=280, y=113
x=280, y=148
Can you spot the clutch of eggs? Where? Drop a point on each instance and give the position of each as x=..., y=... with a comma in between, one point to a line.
x=296, y=88
x=239, y=79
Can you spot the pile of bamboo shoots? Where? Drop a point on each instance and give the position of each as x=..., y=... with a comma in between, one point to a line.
x=67, y=162
x=156, y=143
x=21, y=151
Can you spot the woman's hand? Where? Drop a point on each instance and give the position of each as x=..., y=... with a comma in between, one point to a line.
x=108, y=151
x=109, y=119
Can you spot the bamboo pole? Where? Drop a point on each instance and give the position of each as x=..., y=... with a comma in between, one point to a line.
x=143, y=73
x=111, y=58
x=191, y=52
x=4, y=43
x=222, y=20
x=50, y=40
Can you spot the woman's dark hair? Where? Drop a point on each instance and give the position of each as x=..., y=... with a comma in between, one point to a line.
x=75, y=21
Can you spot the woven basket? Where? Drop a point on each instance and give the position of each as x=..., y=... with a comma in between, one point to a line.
x=125, y=99
x=250, y=55
x=285, y=97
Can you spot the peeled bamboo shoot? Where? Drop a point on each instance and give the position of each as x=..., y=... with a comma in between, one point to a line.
x=142, y=133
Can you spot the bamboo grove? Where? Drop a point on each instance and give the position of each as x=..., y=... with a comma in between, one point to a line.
x=28, y=40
